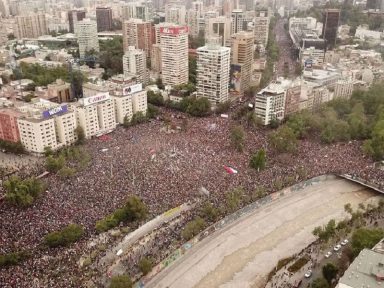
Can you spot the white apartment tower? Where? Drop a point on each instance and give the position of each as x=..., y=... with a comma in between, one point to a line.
x=219, y=27
x=134, y=62
x=175, y=13
x=238, y=18
x=86, y=32
x=174, y=54
x=31, y=25
x=261, y=28
x=213, y=64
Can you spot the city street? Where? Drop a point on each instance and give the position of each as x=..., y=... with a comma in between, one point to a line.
x=286, y=63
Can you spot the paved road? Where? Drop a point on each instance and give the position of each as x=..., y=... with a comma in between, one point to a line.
x=242, y=254
x=286, y=47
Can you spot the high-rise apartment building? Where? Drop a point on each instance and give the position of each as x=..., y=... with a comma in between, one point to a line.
x=45, y=124
x=193, y=16
x=174, y=54
x=9, y=130
x=86, y=32
x=213, y=64
x=139, y=34
x=242, y=59
x=261, y=27
x=134, y=63
x=31, y=25
x=104, y=19
x=73, y=17
x=137, y=10
x=219, y=27
x=238, y=18
x=331, y=20
x=175, y=13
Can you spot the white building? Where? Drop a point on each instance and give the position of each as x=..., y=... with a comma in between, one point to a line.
x=134, y=62
x=174, y=54
x=96, y=114
x=270, y=102
x=86, y=32
x=175, y=13
x=46, y=124
x=363, y=33
x=219, y=27
x=238, y=18
x=261, y=28
x=343, y=89
x=213, y=65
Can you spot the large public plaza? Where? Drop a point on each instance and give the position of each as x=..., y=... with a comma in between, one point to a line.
x=165, y=170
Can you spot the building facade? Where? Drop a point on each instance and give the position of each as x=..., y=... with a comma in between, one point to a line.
x=213, y=65
x=174, y=54
x=86, y=31
x=31, y=26
x=73, y=17
x=104, y=19
x=219, y=27
x=139, y=34
x=242, y=56
x=331, y=19
x=134, y=63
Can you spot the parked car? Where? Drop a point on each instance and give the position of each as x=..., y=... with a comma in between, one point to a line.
x=308, y=274
x=329, y=254
x=344, y=242
x=337, y=247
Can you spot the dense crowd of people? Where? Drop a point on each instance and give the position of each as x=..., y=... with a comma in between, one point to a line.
x=165, y=170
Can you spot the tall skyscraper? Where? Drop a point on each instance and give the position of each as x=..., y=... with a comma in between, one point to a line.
x=104, y=19
x=261, y=27
x=242, y=59
x=213, y=63
x=331, y=19
x=73, y=17
x=174, y=54
x=238, y=18
x=31, y=26
x=134, y=63
x=175, y=13
x=86, y=32
x=138, y=33
x=219, y=27
x=136, y=10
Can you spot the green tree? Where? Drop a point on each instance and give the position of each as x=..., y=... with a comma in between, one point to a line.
x=16, y=148
x=330, y=272
x=193, y=228
x=283, y=140
x=223, y=107
x=22, y=192
x=54, y=164
x=155, y=98
x=200, y=107
x=237, y=136
x=138, y=118
x=121, y=281
x=348, y=208
x=13, y=258
x=319, y=283
x=66, y=172
x=64, y=237
x=365, y=238
x=152, y=111
x=209, y=212
x=80, y=135
x=258, y=160
x=135, y=209
x=145, y=265
x=233, y=199
x=159, y=83
x=375, y=146
x=192, y=68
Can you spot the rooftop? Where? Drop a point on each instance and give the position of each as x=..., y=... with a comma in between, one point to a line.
x=367, y=270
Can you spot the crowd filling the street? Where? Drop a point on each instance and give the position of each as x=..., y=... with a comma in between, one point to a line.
x=164, y=170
